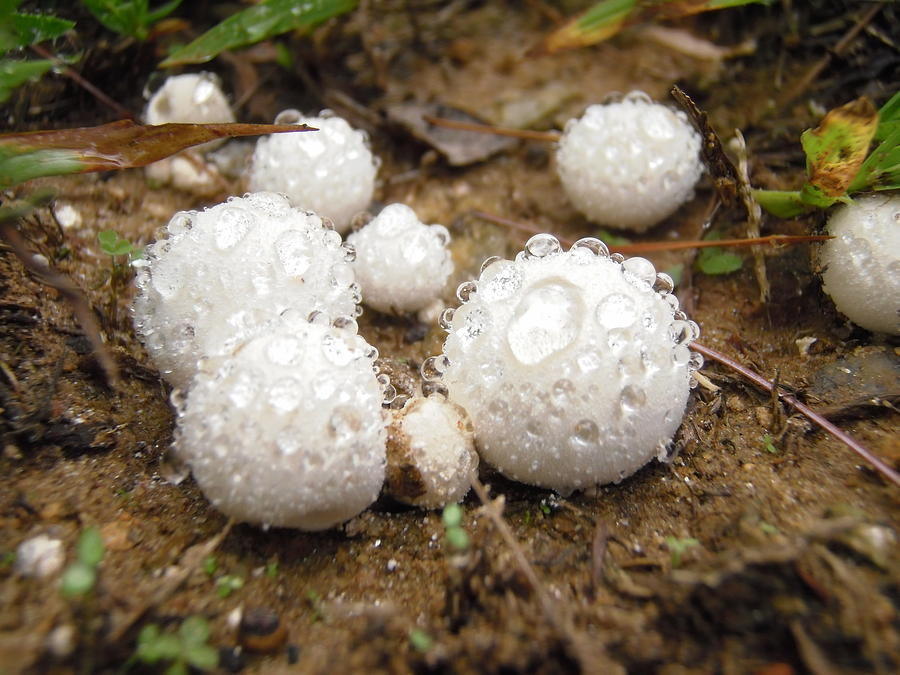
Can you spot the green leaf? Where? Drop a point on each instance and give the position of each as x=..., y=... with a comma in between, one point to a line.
x=255, y=24
x=22, y=30
x=781, y=203
x=16, y=73
x=113, y=245
x=78, y=580
x=836, y=149
x=177, y=668
x=90, y=547
x=154, y=646
x=452, y=515
x=881, y=170
x=202, y=657
x=420, y=640
x=714, y=260
x=457, y=538
x=194, y=630
x=888, y=117
x=162, y=11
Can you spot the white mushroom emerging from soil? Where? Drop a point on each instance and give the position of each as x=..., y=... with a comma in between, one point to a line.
x=431, y=453
x=861, y=265
x=629, y=164
x=574, y=366
x=402, y=265
x=195, y=98
x=288, y=431
x=224, y=274
x=330, y=171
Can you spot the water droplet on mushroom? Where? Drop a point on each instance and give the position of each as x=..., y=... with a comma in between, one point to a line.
x=232, y=225
x=640, y=270
x=293, y=250
x=592, y=244
x=541, y=246
x=632, y=398
x=616, y=310
x=546, y=321
x=465, y=290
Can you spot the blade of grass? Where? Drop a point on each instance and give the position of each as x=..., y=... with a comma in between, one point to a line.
x=255, y=24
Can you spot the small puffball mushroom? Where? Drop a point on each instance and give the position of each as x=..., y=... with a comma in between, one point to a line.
x=288, y=431
x=194, y=98
x=330, y=171
x=629, y=164
x=574, y=366
x=431, y=453
x=861, y=265
x=224, y=274
x=401, y=264
x=40, y=557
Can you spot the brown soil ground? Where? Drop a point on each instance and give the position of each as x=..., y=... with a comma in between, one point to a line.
x=795, y=566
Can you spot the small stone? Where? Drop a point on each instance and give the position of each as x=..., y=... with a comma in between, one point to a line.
x=40, y=557
x=261, y=630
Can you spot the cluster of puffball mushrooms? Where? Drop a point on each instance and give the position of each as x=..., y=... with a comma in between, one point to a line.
x=561, y=369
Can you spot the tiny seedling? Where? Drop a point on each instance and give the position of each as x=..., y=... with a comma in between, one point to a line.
x=456, y=536
x=272, y=569
x=210, y=565
x=121, y=252
x=769, y=445
x=768, y=528
x=678, y=547
x=183, y=650
x=420, y=640
x=227, y=584
x=315, y=603
x=80, y=577
x=7, y=560
x=714, y=261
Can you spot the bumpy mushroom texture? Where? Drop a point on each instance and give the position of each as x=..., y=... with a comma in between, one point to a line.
x=574, y=366
x=289, y=430
x=861, y=265
x=227, y=273
x=402, y=265
x=629, y=164
x=330, y=171
x=431, y=453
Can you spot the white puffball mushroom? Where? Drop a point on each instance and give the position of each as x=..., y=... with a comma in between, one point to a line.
x=629, y=164
x=431, y=453
x=402, y=265
x=573, y=365
x=330, y=171
x=288, y=431
x=194, y=98
x=224, y=274
x=862, y=263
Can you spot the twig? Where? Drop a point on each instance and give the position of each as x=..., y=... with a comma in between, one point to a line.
x=757, y=379
x=527, y=134
x=560, y=622
x=649, y=246
x=822, y=64
x=754, y=214
x=80, y=305
x=76, y=77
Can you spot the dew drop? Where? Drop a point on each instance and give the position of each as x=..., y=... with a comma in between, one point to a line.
x=562, y=391
x=695, y=362
x=664, y=284
x=434, y=366
x=546, y=321
x=593, y=245
x=232, y=225
x=293, y=251
x=500, y=281
x=489, y=261
x=681, y=355
x=285, y=394
x=465, y=290
x=632, y=398
x=541, y=246
x=640, y=270
x=586, y=432
x=617, y=257
x=446, y=318
x=616, y=310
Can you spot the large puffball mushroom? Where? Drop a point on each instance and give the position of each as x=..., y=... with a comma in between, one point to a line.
x=402, y=265
x=289, y=430
x=574, y=366
x=224, y=274
x=861, y=265
x=330, y=171
x=195, y=98
x=430, y=453
x=629, y=164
